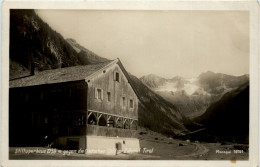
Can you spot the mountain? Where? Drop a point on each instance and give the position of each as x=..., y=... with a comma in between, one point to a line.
x=216, y=83
x=33, y=40
x=153, y=81
x=156, y=113
x=85, y=56
x=228, y=118
x=161, y=84
x=191, y=106
x=193, y=96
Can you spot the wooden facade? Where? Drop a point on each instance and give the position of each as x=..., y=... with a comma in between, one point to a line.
x=103, y=103
x=109, y=99
x=44, y=110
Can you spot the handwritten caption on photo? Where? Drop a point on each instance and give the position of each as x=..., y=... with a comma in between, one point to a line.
x=81, y=151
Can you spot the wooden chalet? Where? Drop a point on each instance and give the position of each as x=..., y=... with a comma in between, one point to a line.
x=80, y=107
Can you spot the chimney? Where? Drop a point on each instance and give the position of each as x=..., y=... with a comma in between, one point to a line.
x=32, y=68
x=33, y=65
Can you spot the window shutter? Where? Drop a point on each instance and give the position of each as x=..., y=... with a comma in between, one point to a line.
x=101, y=94
x=114, y=75
x=96, y=93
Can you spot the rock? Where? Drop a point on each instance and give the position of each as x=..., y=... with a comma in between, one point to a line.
x=180, y=144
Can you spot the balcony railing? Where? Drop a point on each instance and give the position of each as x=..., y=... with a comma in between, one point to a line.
x=95, y=130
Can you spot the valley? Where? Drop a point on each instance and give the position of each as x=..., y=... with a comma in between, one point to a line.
x=154, y=146
x=193, y=96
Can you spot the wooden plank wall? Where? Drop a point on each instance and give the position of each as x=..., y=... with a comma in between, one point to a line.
x=105, y=80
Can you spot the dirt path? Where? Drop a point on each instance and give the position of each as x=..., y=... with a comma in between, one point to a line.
x=198, y=151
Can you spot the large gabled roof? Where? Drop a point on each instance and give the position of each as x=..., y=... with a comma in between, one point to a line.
x=59, y=75
x=75, y=73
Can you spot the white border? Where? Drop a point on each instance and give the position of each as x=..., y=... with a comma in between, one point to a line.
x=251, y=6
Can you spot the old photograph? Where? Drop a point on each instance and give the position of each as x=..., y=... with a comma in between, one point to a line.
x=132, y=85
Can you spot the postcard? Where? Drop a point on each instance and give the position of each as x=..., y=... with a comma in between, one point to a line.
x=144, y=83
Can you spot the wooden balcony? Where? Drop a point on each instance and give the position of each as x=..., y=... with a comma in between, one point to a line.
x=95, y=130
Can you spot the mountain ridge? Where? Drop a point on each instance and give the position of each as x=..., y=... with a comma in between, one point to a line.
x=33, y=41
x=86, y=56
x=193, y=96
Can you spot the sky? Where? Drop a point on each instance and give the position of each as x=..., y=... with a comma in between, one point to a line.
x=165, y=43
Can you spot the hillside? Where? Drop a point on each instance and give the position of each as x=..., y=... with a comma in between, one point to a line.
x=33, y=40
x=228, y=118
x=156, y=113
x=191, y=106
x=85, y=56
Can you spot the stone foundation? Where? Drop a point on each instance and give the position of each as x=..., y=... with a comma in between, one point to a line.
x=112, y=145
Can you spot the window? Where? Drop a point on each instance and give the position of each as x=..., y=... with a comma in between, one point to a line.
x=131, y=103
x=99, y=93
x=108, y=96
x=46, y=120
x=123, y=100
x=117, y=76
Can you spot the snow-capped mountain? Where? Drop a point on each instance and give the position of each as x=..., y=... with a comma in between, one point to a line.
x=192, y=96
x=189, y=86
x=159, y=84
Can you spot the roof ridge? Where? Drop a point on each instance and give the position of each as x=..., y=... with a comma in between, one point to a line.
x=59, y=75
x=112, y=62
